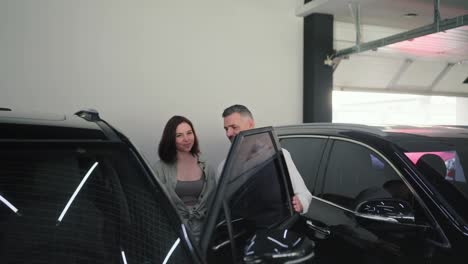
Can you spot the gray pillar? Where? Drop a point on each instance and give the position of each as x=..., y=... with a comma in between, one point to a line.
x=318, y=77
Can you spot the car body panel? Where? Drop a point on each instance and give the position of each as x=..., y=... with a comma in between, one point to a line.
x=441, y=235
x=116, y=210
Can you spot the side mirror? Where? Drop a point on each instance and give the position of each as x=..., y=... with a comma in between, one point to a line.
x=386, y=210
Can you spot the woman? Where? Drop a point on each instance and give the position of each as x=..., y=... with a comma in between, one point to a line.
x=190, y=181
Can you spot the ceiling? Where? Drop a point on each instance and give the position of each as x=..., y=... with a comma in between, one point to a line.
x=391, y=13
x=433, y=64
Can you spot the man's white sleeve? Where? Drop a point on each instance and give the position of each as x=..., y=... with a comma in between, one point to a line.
x=297, y=182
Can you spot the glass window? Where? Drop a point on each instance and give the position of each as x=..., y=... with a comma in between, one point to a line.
x=375, y=108
x=306, y=153
x=355, y=173
x=451, y=150
x=449, y=169
x=256, y=189
x=442, y=162
x=255, y=195
x=82, y=204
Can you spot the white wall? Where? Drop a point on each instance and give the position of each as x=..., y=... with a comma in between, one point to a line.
x=140, y=62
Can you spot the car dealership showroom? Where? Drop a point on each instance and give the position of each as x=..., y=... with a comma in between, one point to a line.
x=233, y=131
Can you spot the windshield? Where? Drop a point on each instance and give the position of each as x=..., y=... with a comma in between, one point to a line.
x=443, y=162
x=80, y=204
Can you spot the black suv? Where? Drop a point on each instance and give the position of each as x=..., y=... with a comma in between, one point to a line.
x=395, y=194
x=74, y=190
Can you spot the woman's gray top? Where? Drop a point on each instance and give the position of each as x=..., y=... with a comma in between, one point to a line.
x=188, y=191
x=193, y=216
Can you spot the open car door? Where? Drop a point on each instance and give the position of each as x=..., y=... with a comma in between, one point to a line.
x=252, y=214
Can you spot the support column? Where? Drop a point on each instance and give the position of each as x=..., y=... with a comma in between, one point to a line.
x=318, y=77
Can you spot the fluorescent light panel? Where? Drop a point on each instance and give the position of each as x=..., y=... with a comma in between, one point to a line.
x=168, y=256
x=77, y=191
x=7, y=203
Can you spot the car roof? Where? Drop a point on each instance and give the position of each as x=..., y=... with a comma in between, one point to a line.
x=45, y=126
x=389, y=132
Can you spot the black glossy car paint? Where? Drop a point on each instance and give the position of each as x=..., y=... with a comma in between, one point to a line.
x=440, y=236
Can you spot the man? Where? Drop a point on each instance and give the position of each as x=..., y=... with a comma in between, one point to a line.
x=238, y=118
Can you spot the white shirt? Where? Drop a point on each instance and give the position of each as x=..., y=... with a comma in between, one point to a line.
x=299, y=187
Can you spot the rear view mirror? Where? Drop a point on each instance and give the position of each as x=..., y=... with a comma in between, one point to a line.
x=387, y=210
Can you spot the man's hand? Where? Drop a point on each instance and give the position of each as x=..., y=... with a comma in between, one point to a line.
x=297, y=204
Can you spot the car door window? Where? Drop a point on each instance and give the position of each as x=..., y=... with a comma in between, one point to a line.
x=83, y=204
x=255, y=192
x=255, y=188
x=306, y=153
x=355, y=172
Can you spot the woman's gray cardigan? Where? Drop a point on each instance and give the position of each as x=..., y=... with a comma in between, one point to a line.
x=195, y=216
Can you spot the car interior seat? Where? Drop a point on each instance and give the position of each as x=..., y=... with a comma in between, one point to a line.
x=398, y=190
x=432, y=167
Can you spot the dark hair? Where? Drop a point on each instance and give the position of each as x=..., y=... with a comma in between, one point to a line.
x=167, y=147
x=237, y=108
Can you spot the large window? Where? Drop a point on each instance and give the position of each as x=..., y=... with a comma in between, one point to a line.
x=402, y=109
x=81, y=204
